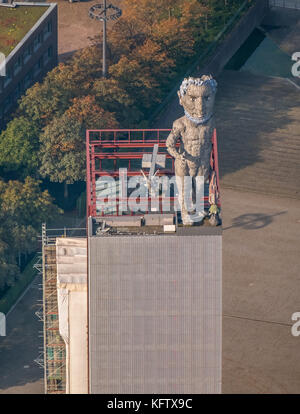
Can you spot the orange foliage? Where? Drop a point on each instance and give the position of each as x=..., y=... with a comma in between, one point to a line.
x=86, y=111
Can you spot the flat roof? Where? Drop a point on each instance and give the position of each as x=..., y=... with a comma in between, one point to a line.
x=15, y=23
x=198, y=229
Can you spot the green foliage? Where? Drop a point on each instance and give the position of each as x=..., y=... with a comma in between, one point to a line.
x=19, y=145
x=62, y=148
x=24, y=203
x=23, y=207
x=48, y=100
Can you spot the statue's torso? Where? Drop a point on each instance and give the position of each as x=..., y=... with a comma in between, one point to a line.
x=196, y=140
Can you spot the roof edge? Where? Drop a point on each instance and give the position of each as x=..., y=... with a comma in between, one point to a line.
x=50, y=6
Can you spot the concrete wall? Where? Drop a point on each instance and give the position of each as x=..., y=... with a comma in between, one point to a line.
x=236, y=38
x=155, y=305
x=71, y=258
x=78, y=380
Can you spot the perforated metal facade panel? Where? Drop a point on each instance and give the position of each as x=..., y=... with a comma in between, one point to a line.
x=155, y=314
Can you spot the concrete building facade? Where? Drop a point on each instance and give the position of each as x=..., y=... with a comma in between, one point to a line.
x=71, y=260
x=155, y=313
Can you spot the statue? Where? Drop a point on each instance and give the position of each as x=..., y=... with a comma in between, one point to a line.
x=194, y=132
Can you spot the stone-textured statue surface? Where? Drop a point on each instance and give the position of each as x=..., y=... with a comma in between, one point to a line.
x=194, y=133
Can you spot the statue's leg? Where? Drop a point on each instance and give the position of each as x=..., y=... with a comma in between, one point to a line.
x=181, y=170
x=203, y=172
x=199, y=191
x=193, y=168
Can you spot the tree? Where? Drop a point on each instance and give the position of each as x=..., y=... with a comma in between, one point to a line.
x=156, y=62
x=23, y=208
x=124, y=36
x=19, y=145
x=62, y=150
x=136, y=81
x=9, y=270
x=194, y=19
x=42, y=102
x=24, y=203
x=147, y=13
x=90, y=114
x=113, y=97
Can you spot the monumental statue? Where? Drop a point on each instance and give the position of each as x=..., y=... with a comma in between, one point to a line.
x=194, y=132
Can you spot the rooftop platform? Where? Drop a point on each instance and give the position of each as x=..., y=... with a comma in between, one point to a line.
x=138, y=226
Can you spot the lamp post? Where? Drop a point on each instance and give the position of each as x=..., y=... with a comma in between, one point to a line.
x=104, y=69
x=103, y=13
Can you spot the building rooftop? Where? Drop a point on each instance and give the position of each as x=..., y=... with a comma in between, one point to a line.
x=150, y=224
x=15, y=23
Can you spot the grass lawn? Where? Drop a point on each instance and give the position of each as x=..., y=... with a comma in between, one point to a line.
x=15, y=23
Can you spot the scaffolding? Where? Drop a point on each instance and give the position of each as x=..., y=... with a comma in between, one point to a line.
x=54, y=346
x=53, y=357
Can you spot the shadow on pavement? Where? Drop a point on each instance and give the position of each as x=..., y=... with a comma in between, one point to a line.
x=253, y=221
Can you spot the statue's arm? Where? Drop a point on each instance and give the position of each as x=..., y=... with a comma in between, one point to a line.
x=172, y=140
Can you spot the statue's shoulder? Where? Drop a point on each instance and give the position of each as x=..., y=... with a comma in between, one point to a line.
x=179, y=124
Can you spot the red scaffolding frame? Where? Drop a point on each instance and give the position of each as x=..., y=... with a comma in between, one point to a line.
x=128, y=145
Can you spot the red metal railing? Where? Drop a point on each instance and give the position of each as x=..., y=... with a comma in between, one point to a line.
x=110, y=145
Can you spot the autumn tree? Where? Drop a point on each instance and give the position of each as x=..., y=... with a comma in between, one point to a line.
x=113, y=97
x=51, y=98
x=157, y=63
x=90, y=114
x=42, y=102
x=174, y=39
x=195, y=19
x=62, y=150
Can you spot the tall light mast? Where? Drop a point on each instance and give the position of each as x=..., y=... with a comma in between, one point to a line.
x=103, y=13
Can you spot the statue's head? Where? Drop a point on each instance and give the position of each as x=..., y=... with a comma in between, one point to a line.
x=197, y=96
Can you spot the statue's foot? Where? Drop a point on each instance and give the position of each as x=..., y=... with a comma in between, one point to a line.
x=186, y=220
x=197, y=218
